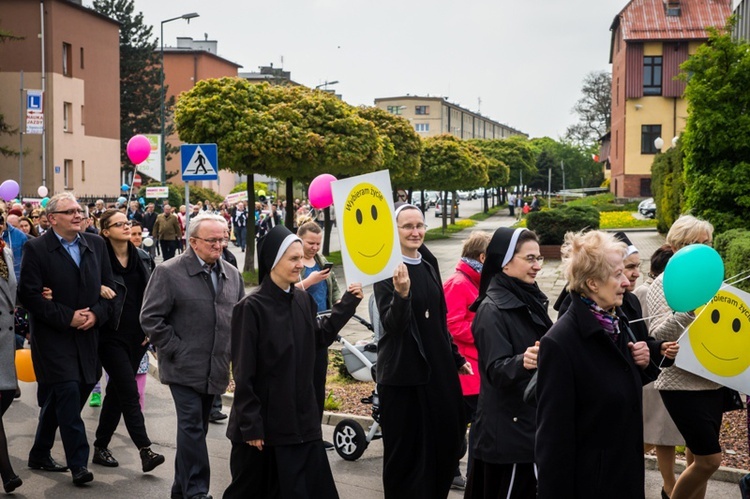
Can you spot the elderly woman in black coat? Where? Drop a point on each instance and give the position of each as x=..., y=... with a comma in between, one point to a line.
x=589, y=426
x=511, y=319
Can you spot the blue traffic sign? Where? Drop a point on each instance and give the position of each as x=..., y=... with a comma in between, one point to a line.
x=199, y=162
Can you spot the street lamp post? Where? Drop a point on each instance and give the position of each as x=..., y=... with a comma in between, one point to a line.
x=163, y=145
x=325, y=85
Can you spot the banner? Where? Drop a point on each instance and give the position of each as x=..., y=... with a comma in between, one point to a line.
x=370, y=248
x=236, y=197
x=152, y=165
x=157, y=192
x=716, y=346
x=34, y=112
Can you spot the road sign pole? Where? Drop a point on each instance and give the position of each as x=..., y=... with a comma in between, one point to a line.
x=188, y=209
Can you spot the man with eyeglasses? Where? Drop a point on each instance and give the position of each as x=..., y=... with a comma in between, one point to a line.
x=168, y=232
x=186, y=312
x=64, y=330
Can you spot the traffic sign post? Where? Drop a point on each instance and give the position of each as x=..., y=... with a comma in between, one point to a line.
x=199, y=162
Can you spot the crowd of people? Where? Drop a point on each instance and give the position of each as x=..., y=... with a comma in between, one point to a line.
x=559, y=409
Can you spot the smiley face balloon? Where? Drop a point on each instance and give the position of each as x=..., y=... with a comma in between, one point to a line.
x=720, y=336
x=368, y=228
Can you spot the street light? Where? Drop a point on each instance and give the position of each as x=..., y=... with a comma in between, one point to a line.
x=326, y=84
x=658, y=143
x=186, y=17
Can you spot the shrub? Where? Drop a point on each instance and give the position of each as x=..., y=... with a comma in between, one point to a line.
x=734, y=248
x=202, y=193
x=552, y=225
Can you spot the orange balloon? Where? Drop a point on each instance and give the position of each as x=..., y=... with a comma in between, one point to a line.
x=24, y=366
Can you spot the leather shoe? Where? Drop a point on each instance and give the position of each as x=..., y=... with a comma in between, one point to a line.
x=46, y=464
x=12, y=484
x=103, y=457
x=150, y=459
x=216, y=416
x=82, y=475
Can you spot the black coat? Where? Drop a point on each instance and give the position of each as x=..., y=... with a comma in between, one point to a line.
x=61, y=352
x=589, y=439
x=503, y=329
x=274, y=338
x=401, y=357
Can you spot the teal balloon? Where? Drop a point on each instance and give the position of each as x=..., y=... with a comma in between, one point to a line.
x=44, y=202
x=692, y=277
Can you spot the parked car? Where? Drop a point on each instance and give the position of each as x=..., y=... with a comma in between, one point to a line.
x=439, y=206
x=647, y=208
x=430, y=198
x=469, y=195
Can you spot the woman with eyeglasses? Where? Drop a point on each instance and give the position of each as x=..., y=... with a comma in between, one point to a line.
x=590, y=376
x=694, y=403
x=122, y=344
x=511, y=318
x=417, y=372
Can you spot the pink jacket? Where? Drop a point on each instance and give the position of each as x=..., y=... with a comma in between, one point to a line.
x=461, y=289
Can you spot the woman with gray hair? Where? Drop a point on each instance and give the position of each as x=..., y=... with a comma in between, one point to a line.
x=590, y=375
x=694, y=403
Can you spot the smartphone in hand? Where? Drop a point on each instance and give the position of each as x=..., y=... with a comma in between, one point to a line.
x=327, y=266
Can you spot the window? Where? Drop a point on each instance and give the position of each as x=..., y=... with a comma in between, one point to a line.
x=67, y=172
x=649, y=133
x=83, y=116
x=395, y=109
x=67, y=117
x=421, y=109
x=645, y=190
x=422, y=127
x=83, y=171
x=652, y=67
x=81, y=57
x=67, y=59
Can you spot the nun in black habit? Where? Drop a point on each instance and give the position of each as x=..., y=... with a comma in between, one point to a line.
x=421, y=405
x=277, y=446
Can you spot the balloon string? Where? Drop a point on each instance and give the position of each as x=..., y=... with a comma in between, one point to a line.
x=650, y=317
x=735, y=282
x=737, y=275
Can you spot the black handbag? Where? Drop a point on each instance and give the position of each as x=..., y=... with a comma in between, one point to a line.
x=732, y=400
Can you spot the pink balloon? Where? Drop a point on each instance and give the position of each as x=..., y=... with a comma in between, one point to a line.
x=139, y=147
x=320, y=193
x=9, y=190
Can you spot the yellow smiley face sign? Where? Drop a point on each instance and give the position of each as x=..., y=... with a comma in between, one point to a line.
x=720, y=335
x=368, y=228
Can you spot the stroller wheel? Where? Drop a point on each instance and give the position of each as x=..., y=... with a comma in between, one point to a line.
x=349, y=440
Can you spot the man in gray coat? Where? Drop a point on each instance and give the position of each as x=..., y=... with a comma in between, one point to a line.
x=186, y=313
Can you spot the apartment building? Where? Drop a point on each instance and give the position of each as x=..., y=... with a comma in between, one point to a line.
x=650, y=39
x=73, y=54
x=435, y=116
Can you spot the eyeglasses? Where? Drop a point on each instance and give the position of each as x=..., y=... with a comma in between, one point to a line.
x=531, y=259
x=410, y=227
x=34, y=216
x=72, y=211
x=119, y=225
x=212, y=241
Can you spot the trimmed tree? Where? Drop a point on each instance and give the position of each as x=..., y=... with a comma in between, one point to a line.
x=716, y=141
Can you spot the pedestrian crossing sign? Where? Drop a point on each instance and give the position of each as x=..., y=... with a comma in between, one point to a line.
x=199, y=162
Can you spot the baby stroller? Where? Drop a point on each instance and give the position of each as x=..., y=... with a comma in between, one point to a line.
x=349, y=438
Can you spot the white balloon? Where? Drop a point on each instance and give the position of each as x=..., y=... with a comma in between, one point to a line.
x=148, y=242
x=42, y=191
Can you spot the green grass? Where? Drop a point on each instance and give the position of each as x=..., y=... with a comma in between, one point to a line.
x=604, y=202
x=250, y=278
x=334, y=257
x=437, y=232
x=331, y=403
x=484, y=216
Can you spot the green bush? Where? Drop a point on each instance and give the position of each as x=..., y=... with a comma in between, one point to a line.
x=552, y=225
x=202, y=193
x=734, y=248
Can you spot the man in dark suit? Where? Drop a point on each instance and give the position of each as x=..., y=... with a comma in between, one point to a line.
x=64, y=330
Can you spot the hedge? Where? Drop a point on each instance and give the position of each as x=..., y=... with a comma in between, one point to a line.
x=734, y=248
x=552, y=225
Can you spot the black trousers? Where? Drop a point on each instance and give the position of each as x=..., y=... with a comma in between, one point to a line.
x=120, y=356
x=516, y=481
x=168, y=248
x=192, y=472
x=61, y=405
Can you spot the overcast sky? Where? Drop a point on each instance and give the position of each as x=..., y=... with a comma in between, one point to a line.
x=525, y=60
